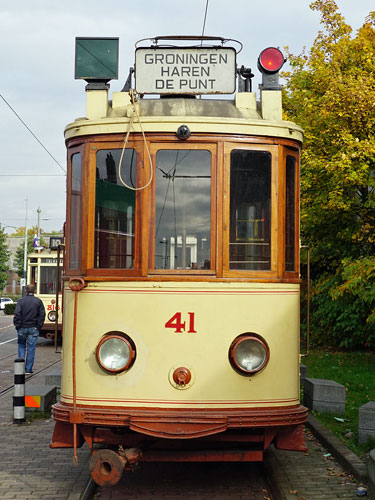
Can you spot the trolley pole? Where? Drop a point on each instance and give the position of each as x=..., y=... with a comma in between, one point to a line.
x=19, y=391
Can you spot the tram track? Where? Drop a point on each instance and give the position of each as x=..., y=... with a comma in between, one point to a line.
x=224, y=480
x=29, y=377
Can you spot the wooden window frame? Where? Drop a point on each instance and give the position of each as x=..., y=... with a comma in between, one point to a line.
x=74, y=149
x=93, y=148
x=197, y=145
x=275, y=154
x=295, y=154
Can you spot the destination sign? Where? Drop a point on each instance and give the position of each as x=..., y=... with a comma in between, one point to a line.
x=185, y=70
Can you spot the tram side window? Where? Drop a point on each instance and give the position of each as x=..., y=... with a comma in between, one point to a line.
x=115, y=209
x=290, y=220
x=183, y=209
x=250, y=210
x=75, y=212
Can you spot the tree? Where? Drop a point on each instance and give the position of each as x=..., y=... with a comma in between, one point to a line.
x=330, y=92
x=4, y=256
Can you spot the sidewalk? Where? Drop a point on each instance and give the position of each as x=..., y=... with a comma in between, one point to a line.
x=29, y=469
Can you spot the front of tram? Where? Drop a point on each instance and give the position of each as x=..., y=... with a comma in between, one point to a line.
x=181, y=287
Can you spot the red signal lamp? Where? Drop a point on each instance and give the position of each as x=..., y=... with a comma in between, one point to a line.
x=271, y=60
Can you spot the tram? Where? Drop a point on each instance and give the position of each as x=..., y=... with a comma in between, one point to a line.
x=181, y=282
x=43, y=271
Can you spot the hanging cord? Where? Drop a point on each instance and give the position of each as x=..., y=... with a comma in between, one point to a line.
x=133, y=99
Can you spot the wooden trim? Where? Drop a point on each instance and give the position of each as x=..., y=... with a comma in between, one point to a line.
x=187, y=146
x=72, y=151
x=295, y=154
x=228, y=148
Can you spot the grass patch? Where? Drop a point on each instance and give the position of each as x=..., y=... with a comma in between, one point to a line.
x=356, y=371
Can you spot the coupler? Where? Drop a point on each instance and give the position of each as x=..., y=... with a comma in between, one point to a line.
x=107, y=466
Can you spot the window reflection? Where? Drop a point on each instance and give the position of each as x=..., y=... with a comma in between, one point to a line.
x=75, y=212
x=48, y=280
x=250, y=210
x=183, y=209
x=115, y=209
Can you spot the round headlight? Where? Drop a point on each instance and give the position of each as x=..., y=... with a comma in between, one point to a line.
x=115, y=353
x=52, y=316
x=248, y=353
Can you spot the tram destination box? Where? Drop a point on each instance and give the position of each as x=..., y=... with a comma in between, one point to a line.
x=206, y=70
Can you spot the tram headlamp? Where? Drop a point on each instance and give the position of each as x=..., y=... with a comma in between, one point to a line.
x=248, y=353
x=115, y=352
x=52, y=316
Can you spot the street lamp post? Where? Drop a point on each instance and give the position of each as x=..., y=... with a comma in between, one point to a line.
x=25, y=256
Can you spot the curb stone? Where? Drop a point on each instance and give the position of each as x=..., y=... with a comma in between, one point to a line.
x=343, y=455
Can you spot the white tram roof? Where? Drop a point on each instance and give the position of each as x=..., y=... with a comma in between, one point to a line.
x=242, y=115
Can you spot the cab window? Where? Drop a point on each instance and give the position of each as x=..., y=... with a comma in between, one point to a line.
x=115, y=209
x=183, y=209
x=250, y=210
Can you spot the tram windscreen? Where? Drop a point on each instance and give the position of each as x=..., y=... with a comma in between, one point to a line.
x=183, y=209
x=250, y=210
x=47, y=282
x=115, y=209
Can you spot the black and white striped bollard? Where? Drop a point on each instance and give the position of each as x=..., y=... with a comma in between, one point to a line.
x=19, y=391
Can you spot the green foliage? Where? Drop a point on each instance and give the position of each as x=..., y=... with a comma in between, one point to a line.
x=343, y=305
x=330, y=92
x=9, y=308
x=4, y=256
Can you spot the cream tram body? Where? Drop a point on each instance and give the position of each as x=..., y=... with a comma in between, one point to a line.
x=181, y=299
x=42, y=272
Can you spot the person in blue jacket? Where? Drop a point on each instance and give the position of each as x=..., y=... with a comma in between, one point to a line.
x=28, y=319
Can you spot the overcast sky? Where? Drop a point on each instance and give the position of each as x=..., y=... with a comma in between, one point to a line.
x=37, y=80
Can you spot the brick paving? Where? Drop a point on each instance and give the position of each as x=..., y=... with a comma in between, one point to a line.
x=29, y=469
x=314, y=475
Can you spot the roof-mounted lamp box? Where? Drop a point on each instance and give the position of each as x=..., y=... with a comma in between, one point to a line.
x=96, y=60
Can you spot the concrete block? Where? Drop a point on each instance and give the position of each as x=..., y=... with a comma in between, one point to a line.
x=302, y=372
x=324, y=395
x=39, y=397
x=366, y=421
x=371, y=475
x=53, y=378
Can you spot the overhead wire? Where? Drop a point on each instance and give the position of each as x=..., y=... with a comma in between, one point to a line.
x=204, y=22
x=32, y=133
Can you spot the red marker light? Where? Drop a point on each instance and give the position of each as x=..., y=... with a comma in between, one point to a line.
x=270, y=60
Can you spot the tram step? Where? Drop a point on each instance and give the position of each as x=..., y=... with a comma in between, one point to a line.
x=40, y=397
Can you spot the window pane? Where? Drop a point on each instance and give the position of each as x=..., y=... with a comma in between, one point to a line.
x=115, y=209
x=48, y=280
x=250, y=210
x=290, y=225
x=75, y=212
x=183, y=209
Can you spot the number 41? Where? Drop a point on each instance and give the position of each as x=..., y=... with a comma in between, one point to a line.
x=179, y=326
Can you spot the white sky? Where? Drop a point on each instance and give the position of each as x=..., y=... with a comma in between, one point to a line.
x=37, y=41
